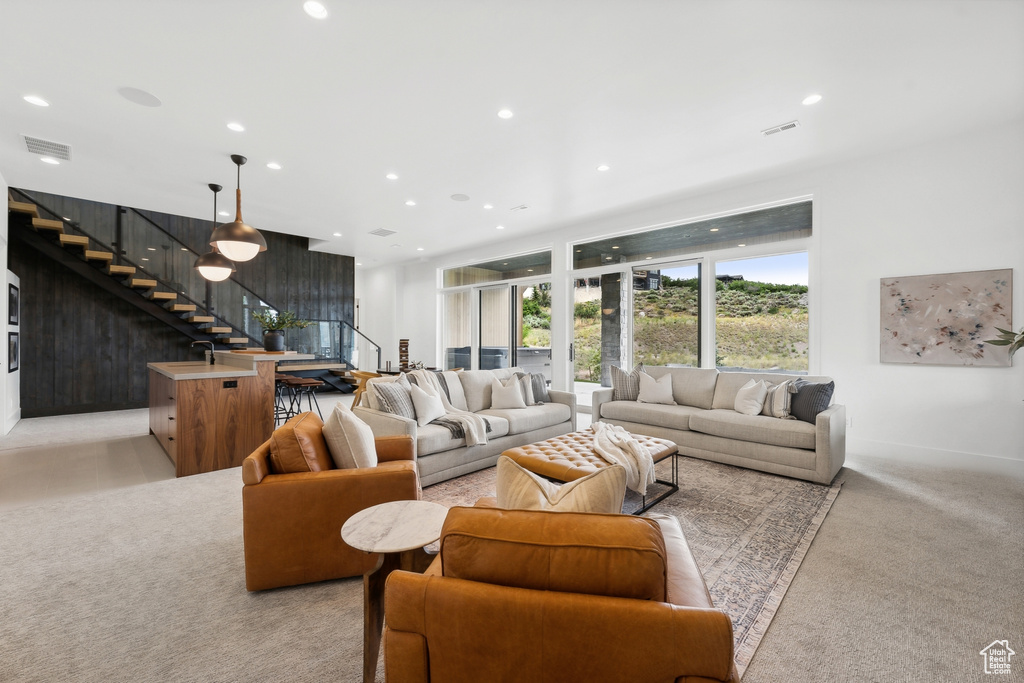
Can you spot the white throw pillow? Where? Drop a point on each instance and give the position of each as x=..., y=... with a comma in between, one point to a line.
x=656, y=390
x=507, y=395
x=349, y=439
x=750, y=397
x=778, y=400
x=518, y=488
x=428, y=407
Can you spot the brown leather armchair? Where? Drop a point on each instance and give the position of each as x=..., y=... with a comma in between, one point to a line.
x=531, y=596
x=292, y=522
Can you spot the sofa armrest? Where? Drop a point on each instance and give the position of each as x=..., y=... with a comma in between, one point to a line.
x=565, y=398
x=386, y=424
x=393, y=448
x=597, y=398
x=830, y=442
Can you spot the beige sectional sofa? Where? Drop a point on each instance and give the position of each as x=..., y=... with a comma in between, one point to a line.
x=705, y=425
x=441, y=456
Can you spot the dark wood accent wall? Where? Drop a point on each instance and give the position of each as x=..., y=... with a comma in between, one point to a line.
x=84, y=350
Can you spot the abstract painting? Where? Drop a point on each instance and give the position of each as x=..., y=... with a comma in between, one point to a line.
x=945, y=319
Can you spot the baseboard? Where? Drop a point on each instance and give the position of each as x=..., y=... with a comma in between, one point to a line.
x=974, y=462
x=12, y=420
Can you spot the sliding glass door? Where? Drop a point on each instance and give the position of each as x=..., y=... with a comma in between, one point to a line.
x=666, y=315
x=495, y=349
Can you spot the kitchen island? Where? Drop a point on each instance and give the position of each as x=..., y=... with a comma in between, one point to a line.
x=210, y=417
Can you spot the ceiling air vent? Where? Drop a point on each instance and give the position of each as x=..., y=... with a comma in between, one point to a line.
x=49, y=148
x=778, y=129
x=382, y=232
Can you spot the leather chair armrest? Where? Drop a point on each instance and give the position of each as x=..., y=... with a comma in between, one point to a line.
x=392, y=448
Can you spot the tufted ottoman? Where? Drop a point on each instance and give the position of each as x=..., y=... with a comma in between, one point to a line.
x=571, y=456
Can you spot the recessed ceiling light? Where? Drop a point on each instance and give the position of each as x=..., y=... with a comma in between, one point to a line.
x=812, y=99
x=500, y=227
x=614, y=247
x=603, y=167
x=488, y=206
x=314, y=9
x=144, y=258
x=713, y=230
x=505, y=114
x=36, y=100
x=223, y=213
x=607, y=258
x=529, y=270
x=419, y=248
x=151, y=248
x=66, y=218
x=505, y=263
x=337, y=234
x=359, y=264
x=392, y=176
x=579, y=251
x=648, y=258
x=274, y=165
x=184, y=248
x=235, y=126
x=741, y=245
x=49, y=160
x=410, y=203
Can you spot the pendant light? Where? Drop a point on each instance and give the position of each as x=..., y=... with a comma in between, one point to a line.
x=237, y=240
x=214, y=266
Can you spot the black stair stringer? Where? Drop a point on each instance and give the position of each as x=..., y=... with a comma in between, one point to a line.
x=60, y=254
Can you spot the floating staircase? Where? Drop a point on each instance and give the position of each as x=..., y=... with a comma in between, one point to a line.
x=50, y=237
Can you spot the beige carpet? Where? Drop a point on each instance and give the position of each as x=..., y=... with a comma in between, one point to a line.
x=146, y=583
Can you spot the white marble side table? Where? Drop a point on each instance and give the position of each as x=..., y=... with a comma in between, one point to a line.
x=398, y=531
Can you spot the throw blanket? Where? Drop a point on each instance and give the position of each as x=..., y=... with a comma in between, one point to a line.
x=474, y=427
x=617, y=446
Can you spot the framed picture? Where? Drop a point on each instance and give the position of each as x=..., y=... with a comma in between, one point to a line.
x=945, y=319
x=13, y=352
x=13, y=305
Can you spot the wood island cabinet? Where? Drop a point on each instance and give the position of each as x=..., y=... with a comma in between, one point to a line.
x=211, y=423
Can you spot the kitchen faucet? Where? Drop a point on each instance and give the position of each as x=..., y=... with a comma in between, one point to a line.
x=212, y=359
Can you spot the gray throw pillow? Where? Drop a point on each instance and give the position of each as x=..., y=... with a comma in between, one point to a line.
x=626, y=386
x=394, y=398
x=810, y=399
x=540, y=388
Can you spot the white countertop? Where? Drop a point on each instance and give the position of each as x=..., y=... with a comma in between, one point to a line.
x=228, y=365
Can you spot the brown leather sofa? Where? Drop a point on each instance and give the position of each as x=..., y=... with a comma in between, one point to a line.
x=534, y=596
x=292, y=521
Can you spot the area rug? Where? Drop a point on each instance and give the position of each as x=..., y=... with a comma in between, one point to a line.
x=146, y=583
x=748, y=531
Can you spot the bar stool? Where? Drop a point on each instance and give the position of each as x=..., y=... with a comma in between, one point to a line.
x=283, y=399
x=303, y=386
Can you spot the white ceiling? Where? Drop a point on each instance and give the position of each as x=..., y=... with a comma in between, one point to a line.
x=672, y=94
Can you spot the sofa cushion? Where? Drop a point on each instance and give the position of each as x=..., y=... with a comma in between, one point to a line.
x=670, y=417
x=299, y=446
x=730, y=382
x=811, y=398
x=690, y=386
x=520, y=489
x=729, y=424
x=349, y=439
x=613, y=555
x=533, y=417
x=626, y=385
x=656, y=390
x=507, y=394
x=434, y=438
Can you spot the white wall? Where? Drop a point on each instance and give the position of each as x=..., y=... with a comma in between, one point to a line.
x=950, y=205
x=10, y=384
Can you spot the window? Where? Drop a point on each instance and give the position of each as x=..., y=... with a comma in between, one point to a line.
x=761, y=317
x=458, y=330
x=666, y=315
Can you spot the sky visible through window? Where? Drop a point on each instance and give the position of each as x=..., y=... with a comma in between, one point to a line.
x=787, y=269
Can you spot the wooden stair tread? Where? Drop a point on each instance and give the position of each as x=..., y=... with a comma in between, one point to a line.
x=91, y=255
x=142, y=283
x=218, y=330
x=23, y=207
x=47, y=224
x=234, y=340
x=120, y=270
x=162, y=296
x=197, y=319
x=181, y=308
x=74, y=240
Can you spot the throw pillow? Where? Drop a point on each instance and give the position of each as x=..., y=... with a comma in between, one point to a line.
x=507, y=394
x=349, y=439
x=298, y=446
x=394, y=398
x=626, y=386
x=540, y=388
x=428, y=407
x=777, y=402
x=518, y=488
x=750, y=397
x=811, y=398
x=656, y=390
x=526, y=383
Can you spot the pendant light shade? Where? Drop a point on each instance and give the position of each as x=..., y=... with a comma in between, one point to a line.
x=237, y=240
x=213, y=266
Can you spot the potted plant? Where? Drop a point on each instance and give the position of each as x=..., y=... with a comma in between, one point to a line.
x=1008, y=338
x=274, y=325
